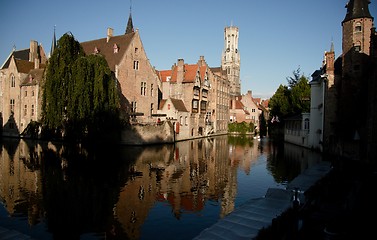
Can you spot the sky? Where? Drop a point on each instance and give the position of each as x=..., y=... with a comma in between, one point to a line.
x=276, y=37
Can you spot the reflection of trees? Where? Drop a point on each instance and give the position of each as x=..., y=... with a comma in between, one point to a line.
x=286, y=161
x=240, y=140
x=81, y=190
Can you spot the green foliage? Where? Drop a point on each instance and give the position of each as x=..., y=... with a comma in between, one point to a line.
x=80, y=94
x=262, y=125
x=291, y=100
x=242, y=127
x=280, y=102
x=300, y=95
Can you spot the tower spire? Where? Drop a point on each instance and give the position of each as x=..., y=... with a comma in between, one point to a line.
x=130, y=26
x=53, y=44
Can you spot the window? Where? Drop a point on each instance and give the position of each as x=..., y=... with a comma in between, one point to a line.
x=136, y=65
x=143, y=88
x=204, y=93
x=151, y=109
x=116, y=48
x=203, y=105
x=358, y=27
x=11, y=106
x=253, y=110
x=196, y=92
x=136, y=49
x=186, y=120
x=25, y=93
x=12, y=81
x=32, y=110
x=168, y=106
x=306, y=124
x=181, y=120
x=195, y=104
x=133, y=107
x=357, y=47
x=25, y=110
x=151, y=89
x=32, y=93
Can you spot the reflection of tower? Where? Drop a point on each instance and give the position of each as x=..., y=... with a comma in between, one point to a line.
x=230, y=61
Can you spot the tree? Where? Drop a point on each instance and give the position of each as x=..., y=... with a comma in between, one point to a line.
x=280, y=102
x=80, y=94
x=300, y=96
x=57, y=80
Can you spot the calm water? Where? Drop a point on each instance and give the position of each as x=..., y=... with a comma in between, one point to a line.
x=52, y=191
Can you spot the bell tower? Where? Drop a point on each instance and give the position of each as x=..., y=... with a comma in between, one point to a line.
x=230, y=61
x=356, y=30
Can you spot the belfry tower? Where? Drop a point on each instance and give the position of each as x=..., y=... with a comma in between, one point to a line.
x=230, y=61
x=353, y=86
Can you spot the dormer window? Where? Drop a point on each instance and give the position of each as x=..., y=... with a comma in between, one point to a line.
x=116, y=48
x=96, y=50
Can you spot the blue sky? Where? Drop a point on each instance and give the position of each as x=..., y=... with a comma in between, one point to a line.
x=275, y=37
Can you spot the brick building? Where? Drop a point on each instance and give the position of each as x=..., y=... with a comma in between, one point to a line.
x=349, y=82
x=191, y=83
x=137, y=79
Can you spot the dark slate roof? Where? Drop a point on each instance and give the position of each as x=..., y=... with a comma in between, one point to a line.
x=357, y=9
x=18, y=55
x=106, y=48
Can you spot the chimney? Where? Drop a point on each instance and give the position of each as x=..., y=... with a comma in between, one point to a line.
x=36, y=63
x=180, y=70
x=33, y=52
x=201, y=61
x=109, y=33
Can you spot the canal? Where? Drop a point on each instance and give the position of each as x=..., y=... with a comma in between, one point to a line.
x=174, y=191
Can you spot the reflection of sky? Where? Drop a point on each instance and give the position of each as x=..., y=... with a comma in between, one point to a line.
x=255, y=183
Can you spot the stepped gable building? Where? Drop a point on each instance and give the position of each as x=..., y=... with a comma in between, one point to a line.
x=137, y=79
x=191, y=83
x=350, y=122
x=20, y=77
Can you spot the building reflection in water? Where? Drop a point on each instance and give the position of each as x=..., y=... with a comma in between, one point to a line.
x=114, y=191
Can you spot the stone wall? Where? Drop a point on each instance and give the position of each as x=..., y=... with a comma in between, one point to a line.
x=148, y=134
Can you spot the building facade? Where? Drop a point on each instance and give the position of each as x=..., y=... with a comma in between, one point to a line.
x=137, y=79
x=191, y=83
x=20, y=77
x=344, y=90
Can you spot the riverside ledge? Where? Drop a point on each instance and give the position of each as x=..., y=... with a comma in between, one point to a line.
x=248, y=220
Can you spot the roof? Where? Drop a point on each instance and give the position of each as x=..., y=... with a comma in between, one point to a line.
x=20, y=54
x=357, y=9
x=24, y=66
x=164, y=74
x=190, y=71
x=106, y=48
x=34, y=77
x=177, y=103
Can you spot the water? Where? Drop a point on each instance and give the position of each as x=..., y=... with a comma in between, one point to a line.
x=55, y=191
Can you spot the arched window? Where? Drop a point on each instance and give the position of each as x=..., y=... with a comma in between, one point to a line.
x=12, y=81
x=358, y=27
